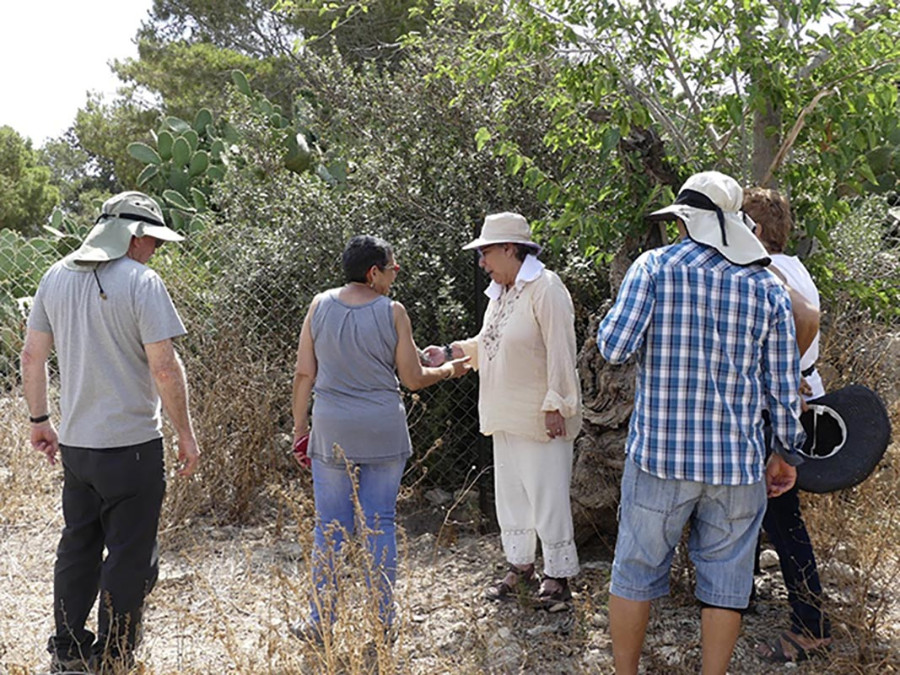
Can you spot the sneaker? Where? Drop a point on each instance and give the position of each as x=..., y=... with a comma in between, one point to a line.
x=309, y=632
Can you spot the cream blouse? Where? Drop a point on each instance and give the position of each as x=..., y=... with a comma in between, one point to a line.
x=525, y=356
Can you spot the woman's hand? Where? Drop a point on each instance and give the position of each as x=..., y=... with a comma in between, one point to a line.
x=434, y=355
x=555, y=424
x=460, y=367
x=437, y=354
x=301, y=443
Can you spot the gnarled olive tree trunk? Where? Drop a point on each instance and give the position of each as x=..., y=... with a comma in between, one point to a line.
x=608, y=393
x=600, y=448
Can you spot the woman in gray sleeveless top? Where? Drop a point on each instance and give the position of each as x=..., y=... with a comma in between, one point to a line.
x=354, y=344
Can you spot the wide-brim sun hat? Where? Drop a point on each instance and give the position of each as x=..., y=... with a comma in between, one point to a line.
x=126, y=215
x=504, y=228
x=709, y=204
x=847, y=433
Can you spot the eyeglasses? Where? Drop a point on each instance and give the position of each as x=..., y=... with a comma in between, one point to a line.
x=484, y=249
x=395, y=267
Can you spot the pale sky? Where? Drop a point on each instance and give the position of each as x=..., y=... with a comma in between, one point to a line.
x=52, y=52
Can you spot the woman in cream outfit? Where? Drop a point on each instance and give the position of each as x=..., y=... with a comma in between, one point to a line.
x=529, y=403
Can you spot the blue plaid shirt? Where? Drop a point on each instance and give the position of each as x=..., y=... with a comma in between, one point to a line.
x=715, y=346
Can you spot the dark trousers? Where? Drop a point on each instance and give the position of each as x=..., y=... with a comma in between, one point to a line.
x=111, y=500
x=785, y=528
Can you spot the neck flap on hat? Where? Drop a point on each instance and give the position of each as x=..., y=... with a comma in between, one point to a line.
x=698, y=200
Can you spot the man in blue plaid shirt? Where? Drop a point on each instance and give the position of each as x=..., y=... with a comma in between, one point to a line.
x=712, y=332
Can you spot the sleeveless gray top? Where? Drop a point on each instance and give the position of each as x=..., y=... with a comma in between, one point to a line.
x=357, y=401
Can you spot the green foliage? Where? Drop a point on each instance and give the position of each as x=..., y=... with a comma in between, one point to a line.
x=417, y=179
x=189, y=76
x=179, y=167
x=101, y=130
x=249, y=27
x=644, y=94
x=27, y=194
x=74, y=174
x=862, y=263
x=190, y=157
x=361, y=31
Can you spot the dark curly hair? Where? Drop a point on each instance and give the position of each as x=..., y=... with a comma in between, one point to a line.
x=361, y=252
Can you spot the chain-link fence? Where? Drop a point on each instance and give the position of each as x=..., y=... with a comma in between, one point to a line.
x=243, y=307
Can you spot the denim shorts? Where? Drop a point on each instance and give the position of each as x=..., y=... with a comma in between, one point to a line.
x=724, y=526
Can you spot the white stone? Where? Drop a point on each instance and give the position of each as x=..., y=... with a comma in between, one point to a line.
x=768, y=559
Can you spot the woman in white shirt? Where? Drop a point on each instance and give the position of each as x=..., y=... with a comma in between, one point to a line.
x=529, y=403
x=810, y=631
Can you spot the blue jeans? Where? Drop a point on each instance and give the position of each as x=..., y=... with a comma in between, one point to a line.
x=724, y=522
x=334, y=486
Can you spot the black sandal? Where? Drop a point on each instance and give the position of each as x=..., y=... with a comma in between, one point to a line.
x=775, y=650
x=524, y=580
x=555, y=601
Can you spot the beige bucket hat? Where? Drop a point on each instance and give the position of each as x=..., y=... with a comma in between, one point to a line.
x=504, y=228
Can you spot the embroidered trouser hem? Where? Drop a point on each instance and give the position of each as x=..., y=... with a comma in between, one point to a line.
x=531, y=483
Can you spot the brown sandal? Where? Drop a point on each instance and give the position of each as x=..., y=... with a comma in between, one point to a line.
x=555, y=601
x=516, y=581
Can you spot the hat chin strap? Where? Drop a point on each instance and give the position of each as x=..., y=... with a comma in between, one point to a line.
x=698, y=200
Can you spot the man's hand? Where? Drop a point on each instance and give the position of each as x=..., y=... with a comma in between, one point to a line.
x=780, y=476
x=188, y=455
x=45, y=440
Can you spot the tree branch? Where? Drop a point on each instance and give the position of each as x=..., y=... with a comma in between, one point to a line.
x=631, y=88
x=801, y=119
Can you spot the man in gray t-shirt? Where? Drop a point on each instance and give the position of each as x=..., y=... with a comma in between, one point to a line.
x=112, y=324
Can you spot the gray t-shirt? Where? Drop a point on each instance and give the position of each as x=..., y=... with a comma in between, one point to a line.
x=107, y=395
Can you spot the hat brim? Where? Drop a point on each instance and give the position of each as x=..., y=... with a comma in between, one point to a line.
x=159, y=232
x=110, y=238
x=481, y=241
x=743, y=248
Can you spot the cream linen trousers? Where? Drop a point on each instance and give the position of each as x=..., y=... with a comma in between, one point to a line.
x=531, y=486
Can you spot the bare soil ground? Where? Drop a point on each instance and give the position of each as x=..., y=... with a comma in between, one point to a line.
x=227, y=594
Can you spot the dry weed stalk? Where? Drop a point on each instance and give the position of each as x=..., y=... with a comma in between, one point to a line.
x=856, y=532
x=237, y=414
x=356, y=641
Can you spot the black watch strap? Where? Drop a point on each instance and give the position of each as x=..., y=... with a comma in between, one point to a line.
x=40, y=418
